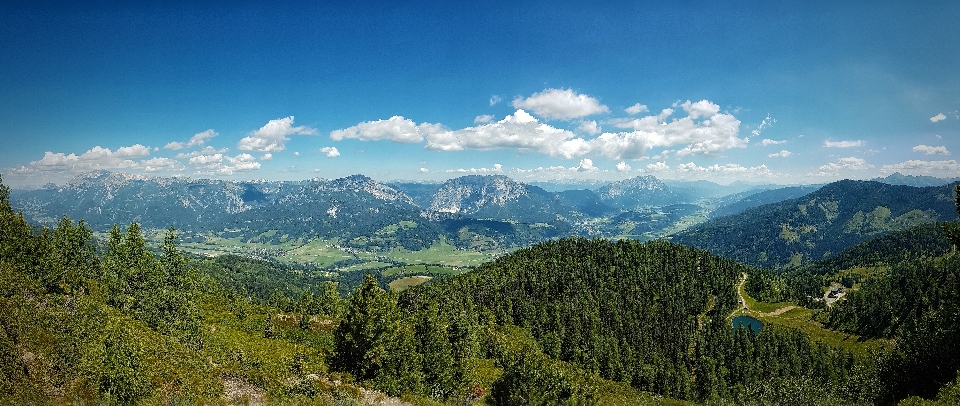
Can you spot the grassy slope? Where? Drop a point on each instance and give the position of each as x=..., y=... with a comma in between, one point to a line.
x=802, y=319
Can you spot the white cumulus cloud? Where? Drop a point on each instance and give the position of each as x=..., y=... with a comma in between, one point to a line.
x=844, y=164
x=197, y=139
x=926, y=149
x=703, y=131
x=396, y=129
x=938, y=117
x=768, y=142
x=559, y=171
x=494, y=100
x=272, y=137
x=702, y=108
x=636, y=109
x=948, y=168
x=486, y=118
x=844, y=144
x=710, y=136
x=589, y=127
x=728, y=169
x=623, y=167
x=330, y=151
x=58, y=165
x=96, y=158
x=586, y=165
x=657, y=167
x=781, y=154
x=208, y=150
x=133, y=151
x=497, y=168
x=203, y=160
x=560, y=104
x=519, y=130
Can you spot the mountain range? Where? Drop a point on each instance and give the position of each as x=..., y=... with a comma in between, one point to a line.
x=898, y=178
x=777, y=226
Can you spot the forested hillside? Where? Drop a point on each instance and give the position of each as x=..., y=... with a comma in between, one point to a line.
x=761, y=198
x=917, y=304
x=821, y=224
x=805, y=284
x=653, y=315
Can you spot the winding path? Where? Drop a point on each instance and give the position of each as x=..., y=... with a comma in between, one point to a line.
x=745, y=309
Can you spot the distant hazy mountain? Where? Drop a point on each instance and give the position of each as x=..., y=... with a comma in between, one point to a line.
x=344, y=208
x=636, y=192
x=497, y=197
x=584, y=201
x=820, y=224
x=911, y=180
x=702, y=189
x=762, y=198
x=471, y=211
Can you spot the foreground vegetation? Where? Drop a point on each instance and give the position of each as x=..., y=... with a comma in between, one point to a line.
x=571, y=321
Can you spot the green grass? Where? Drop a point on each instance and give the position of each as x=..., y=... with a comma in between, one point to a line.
x=364, y=265
x=802, y=319
x=402, y=284
x=441, y=258
x=420, y=269
x=684, y=223
x=392, y=229
x=440, y=252
x=317, y=251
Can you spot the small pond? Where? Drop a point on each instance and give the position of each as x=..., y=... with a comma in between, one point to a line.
x=748, y=322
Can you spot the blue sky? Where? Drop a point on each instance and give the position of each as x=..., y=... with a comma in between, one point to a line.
x=771, y=93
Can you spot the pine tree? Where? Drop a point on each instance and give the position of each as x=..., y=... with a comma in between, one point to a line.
x=373, y=343
x=329, y=301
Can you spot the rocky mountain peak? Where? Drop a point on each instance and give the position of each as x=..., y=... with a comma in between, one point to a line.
x=363, y=183
x=467, y=194
x=620, y=188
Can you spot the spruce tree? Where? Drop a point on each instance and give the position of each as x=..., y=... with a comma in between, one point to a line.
x=374, y=343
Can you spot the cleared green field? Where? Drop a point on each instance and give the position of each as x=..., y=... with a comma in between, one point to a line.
x=683, y=224
x=802, y=318
x=402, y=284
x=441, y=253
x=364, y=265
x=420, y=269
x=317, y=251
x=441, y=258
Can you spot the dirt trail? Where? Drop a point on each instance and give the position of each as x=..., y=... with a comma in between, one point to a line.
x=745, y=309
x=743, y=302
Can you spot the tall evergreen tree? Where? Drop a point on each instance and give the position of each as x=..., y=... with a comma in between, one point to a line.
x=373, y=343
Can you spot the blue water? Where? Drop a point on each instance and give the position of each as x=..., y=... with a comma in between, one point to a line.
x=748, y=322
